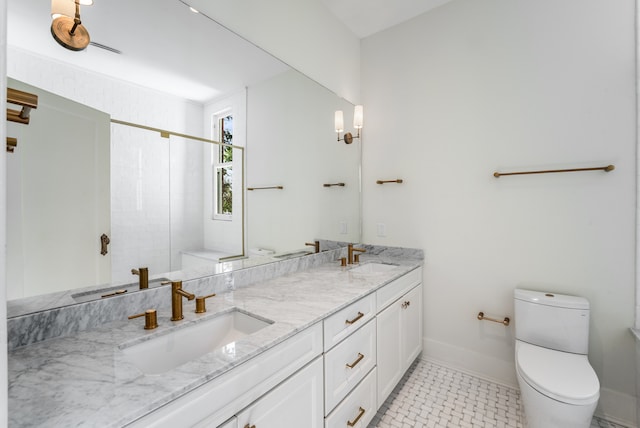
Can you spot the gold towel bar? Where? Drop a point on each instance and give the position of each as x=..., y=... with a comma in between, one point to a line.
x=505, y=321
x=607, y=168
x=399, y=180
x=333, y=184
x=264, y=188
x=24, y=99
x=12, y=143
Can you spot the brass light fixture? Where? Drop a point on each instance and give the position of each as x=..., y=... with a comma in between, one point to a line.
x=67, y=28
x=358, y=118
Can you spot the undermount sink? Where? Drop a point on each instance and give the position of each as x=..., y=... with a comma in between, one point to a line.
x=373, y=268
x=179, y=346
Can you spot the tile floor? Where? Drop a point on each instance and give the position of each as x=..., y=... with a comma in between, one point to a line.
x=433, y=396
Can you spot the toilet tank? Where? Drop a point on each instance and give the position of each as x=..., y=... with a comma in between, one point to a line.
x=551, y=320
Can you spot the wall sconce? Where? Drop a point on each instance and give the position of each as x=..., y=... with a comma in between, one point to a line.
x=358, y=118
x=66, y=28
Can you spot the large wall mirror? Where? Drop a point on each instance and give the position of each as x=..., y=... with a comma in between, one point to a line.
x=92, y=156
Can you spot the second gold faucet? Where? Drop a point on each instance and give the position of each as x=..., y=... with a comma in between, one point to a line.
x=177, y=293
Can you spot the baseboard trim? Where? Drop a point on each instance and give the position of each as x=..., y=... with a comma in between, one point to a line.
x=617, y=407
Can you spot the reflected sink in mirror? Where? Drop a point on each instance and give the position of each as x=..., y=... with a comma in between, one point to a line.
x=181, y=345
x=293, y=254
x=373, y=268
x=115, y=290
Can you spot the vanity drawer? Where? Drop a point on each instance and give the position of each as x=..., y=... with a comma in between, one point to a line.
x=347, y=363
x=358, y=407
x=395, y=289
x=347, y=320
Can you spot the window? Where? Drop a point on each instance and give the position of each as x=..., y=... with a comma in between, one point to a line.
x=223, y=167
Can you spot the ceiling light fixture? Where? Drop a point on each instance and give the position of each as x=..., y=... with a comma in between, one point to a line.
x=67, y=28
x=358, y=118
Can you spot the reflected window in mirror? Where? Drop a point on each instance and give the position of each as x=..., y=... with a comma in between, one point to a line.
x=223, y=167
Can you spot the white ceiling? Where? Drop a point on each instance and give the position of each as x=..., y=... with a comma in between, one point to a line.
x=366, y=17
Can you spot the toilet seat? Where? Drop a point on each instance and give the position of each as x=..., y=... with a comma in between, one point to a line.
x=563, y=376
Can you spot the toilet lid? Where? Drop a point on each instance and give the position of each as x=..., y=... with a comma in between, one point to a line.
x=563, y=376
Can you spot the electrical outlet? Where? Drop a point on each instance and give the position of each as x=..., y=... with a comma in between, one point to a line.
x=382, y=230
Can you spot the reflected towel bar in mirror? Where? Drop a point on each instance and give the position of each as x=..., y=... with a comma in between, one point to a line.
x=399, y=180
x=265, y=188
x=607, y=168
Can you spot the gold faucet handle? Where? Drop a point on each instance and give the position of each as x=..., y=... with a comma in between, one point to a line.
x=200, y=305
x=150, y=319
x=356, y=258
x=343, y=261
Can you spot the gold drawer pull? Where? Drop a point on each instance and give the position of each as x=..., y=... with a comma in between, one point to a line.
x=249, y=426
x=360, y=315
x=355, y=421
x=355, y=363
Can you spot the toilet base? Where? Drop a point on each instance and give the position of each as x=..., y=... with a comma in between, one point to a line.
x=541, y=411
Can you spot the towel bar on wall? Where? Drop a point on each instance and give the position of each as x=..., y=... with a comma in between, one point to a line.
x=607, y=168
x=333, y=184
x=399, y=180
x=505, y=321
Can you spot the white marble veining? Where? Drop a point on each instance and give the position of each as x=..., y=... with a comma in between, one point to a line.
x=81, y=378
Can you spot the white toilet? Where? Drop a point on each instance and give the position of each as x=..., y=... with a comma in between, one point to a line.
x=558, y=386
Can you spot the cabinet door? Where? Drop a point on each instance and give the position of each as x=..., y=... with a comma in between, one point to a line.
x=295, y=403
x=388, y=348
x=411, y=326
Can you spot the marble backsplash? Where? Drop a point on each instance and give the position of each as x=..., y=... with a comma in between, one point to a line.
x=62, y=321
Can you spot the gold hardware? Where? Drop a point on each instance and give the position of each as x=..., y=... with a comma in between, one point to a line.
x=355, y=363
x=549, y=295
x=150, y=319
x=200, y=305
x=355, y=421
x=143, y=272
x=69, y=32
x=607, y=168
x=505, y=321
x=177, y=293
x=356, y=259
x=350, y=251
x=12, y=143
x=104, y=241
x=265, y=188
x=406, y=304
x=249, y=426
x=26, y=100
x=360, y=315
x=115, y=293
x=343, y=261
x=164, y=134
x=399, y=180
x=333, y=184
x=315, y=244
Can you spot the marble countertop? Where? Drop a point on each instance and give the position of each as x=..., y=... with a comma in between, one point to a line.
x=83, y=379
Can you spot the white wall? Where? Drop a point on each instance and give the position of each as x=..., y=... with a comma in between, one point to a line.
x=3, y=210
x=476, y=87
x=303, y=34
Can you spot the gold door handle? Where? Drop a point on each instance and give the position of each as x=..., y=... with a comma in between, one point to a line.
x=360, y=315
x=355, y=421
x=104, y=241
x=355, y=363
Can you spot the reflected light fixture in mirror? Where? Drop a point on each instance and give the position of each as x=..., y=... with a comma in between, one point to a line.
x=66, y=27
x=358, y=118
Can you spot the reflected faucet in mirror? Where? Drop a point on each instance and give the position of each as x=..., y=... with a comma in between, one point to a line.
x=315, y=245
x=143, y=272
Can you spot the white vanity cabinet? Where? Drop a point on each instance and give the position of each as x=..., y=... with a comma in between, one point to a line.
x=399, y=331
x=297, y=402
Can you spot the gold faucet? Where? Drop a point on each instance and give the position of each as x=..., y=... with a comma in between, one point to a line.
x=177, y=293
x=315, y=244
x=350, y=251
x=143, y=272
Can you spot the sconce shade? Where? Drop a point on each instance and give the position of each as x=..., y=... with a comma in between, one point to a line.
x=63, y=8
x=358, y=117
x=339, y=121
